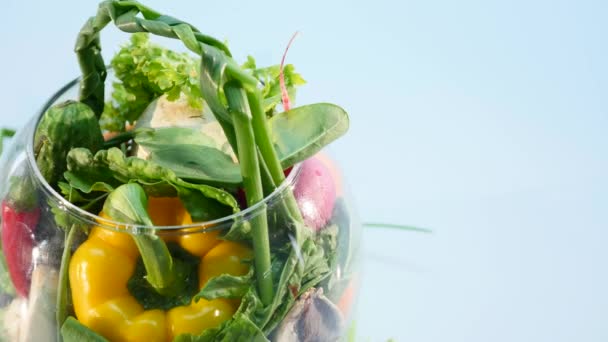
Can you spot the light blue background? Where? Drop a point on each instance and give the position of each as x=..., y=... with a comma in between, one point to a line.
x=482, y=120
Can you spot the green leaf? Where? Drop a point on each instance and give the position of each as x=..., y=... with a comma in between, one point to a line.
x=240, y=328
x=128, y=204
x=303, y=131
x=226, y=286
x=145, y=72
x=158, y=181
x=85, y=185
x=244, y=330
x=200, y=207
x=190, y=154
x=198, y=163
x=74, y=331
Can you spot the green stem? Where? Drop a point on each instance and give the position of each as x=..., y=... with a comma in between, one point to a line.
x=269, y=154
x=252, y=181
x=62, y=294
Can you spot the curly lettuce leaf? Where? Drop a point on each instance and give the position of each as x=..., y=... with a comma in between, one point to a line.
x=146, y=71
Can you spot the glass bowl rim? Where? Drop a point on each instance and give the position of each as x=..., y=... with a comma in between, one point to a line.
x=99, y=221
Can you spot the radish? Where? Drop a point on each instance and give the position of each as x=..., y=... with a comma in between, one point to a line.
x=315, y=192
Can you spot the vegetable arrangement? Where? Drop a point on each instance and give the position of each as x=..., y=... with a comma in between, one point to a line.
x=215, y=217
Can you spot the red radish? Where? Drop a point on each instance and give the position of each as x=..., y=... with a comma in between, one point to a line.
x=315, y=192
x=17, y=244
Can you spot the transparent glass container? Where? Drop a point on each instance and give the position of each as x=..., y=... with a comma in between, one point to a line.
x=39, y=291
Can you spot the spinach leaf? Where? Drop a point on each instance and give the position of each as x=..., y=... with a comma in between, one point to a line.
x=190, y=154
x=200, y=207
x=74, y=331
x=303, y=131
x=158, y=181
x=198, y=163
x=241, y=329
x=226, y=286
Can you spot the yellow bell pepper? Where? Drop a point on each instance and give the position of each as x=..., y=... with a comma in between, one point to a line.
x=101, y=267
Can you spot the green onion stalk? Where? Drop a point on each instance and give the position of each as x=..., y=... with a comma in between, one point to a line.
x=252, y=180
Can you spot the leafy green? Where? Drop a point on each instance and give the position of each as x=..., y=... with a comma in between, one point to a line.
x=128, y=204
x=200, y=207
x=300, y=264
x=62, y=127
x=303, y=131
x=226, y=286
x=74, y=331
x=147, y=71
x=269, y=76
x=240, y=231
x=241, y=329
x=112, y=167
x=149, y=298
x=198, y=163
x=191, y=154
